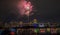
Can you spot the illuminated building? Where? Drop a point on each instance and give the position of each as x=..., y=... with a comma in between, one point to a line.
x=20, y=24
x=30, y=23
x=58, y=30
x=41, y=25
x=35, y=24
x=48, y=29
x=53, y=30
x=19, y=31
x=42, y=30
x=35, y=21
x=36, y=30
x=12, y=31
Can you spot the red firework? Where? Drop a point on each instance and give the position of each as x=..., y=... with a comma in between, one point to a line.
x=25, y=8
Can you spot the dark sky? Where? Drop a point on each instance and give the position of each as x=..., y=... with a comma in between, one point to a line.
x=46, y=10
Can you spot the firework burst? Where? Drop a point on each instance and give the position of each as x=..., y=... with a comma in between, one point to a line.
x=25, y=7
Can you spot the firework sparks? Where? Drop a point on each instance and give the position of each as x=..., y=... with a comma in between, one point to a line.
x=25, y=8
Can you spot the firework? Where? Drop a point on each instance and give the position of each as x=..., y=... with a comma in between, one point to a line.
x=25, y=7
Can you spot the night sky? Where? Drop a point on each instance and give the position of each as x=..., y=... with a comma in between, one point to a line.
x=45, y=10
